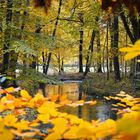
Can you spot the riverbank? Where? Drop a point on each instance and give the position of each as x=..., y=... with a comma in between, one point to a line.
x=97, y=83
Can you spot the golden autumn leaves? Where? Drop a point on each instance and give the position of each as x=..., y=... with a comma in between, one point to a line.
x=128, y=127
x=63, y=125
x=131, y=51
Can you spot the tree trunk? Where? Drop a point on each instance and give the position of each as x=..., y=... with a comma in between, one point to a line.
x=62, y=65
x=107, y=51
x=13, y=55
x=81, y=43
x=127, y=28
x=134, y=35
x=59, y=64
x=99, y=69
x=110, y=66
x=53, y=35
x=89, y=53
x=44, y=62
x=7, y=36
x=34, y=61
x=114, y=46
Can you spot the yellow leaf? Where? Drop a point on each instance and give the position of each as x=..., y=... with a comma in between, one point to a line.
x=80, y=102
x=54, y=98
x=22, y=125
x=136, y=107
x=5, y=134
x=126, y=49
x=48, y=108
x=131, y=55
x=84, y=132
x=63, y=98
x=10, y=120
x=106, y=128
x=93, y=103
x=74, y=119
x=137, y=44
x=38, y=97
x=10, y=89
x=43, y=117
x=71, y=133
x=53, y=136
x=122, y=105
x=107, y=98
x=23, y=134
x=132, y=51
x=25, y=94
x=53, y=112
x=60, y=125
x=129, y=126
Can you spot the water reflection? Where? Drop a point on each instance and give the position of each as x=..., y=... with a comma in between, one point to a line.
x=101, y=110
x=71, y=89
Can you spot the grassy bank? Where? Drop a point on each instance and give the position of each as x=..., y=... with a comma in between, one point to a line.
x=98, y=83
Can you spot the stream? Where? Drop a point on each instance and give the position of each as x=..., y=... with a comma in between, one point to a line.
x=102, y=110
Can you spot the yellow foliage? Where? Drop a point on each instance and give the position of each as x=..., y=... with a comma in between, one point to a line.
x=10, y=89
x=106, y=128
x=25, y=95
x=128, y=125
x=60, y=125
x=10, y=120
x=43, y=117
x=132, y=51
x=67, y=126
x=5, y=134
x=53, y=136
x=22, y=125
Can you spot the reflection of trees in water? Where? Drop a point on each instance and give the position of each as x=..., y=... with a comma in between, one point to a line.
x=104, y=112
x=80, y=111
x=71, y=89
x=101, y=110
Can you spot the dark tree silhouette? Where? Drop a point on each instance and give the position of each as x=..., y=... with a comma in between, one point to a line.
x=43, y=3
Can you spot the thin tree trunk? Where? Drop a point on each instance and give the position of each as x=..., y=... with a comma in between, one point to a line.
x=37, y=31
x=81, y=43
x=127, y=28
x=107, y=53
x=59, y=64
x=53, y=35
x=89, y=53
x=125, y=63
x=103, y=62
x=114, y=46
x=44, y=62
x=62, y=65
x=99, y=66
x=110, y=66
